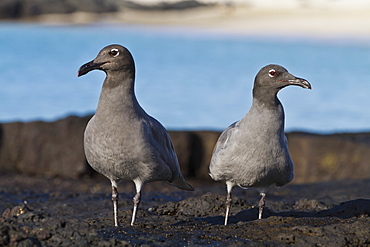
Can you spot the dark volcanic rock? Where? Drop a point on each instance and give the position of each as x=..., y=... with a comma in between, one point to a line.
x=66, y=212
x=194, y=150
x=56, y=149
x=41, y=148
x=10, y=9
x=180, y=5
x=13, y=9
x=329, y=157
x=359, y=208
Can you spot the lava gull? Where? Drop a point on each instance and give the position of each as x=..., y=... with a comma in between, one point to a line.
x=253, y=152
x=121, y=140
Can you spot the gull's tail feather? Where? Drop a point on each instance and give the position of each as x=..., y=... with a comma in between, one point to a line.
x=182, y=184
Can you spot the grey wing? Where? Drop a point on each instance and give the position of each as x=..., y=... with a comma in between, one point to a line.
x=224, y=137
x=216, y=167
x=162, y=145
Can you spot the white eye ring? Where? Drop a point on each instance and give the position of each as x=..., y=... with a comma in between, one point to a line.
x=114, y=52
x=272, y=73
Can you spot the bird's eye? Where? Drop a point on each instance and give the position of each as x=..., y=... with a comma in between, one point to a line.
x=114, y=52
x=272, y=73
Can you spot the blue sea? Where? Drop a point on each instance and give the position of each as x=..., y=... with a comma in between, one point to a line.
x=186, y=78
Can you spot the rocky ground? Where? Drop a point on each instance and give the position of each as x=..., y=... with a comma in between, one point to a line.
x=65, y=212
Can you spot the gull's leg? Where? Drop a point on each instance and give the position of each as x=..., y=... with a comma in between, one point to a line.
x=115, y=202
x=261, y=204
x=229, y=187
x=136, y=199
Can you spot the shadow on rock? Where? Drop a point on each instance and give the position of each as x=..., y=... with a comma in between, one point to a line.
x=356, y=208
x=345, y=210
x=349, y=209
x=215, y=220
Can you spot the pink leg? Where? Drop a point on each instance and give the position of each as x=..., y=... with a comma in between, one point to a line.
x=115, y=202
x=229, y=187
x=136, y=199
x=261, y=205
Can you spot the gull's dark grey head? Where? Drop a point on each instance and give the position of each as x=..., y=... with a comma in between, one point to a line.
x=110, y=59
x=275, y=77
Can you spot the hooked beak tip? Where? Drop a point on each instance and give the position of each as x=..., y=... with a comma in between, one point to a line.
x=87, y=67
x=301, y=82
x=306, y=85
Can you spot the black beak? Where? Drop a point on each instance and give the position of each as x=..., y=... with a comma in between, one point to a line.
x=300, y=82
x=87, y=67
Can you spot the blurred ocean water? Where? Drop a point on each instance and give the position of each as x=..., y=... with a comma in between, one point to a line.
x=187, y=79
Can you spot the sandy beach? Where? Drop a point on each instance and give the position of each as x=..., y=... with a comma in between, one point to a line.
x=319, y=23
